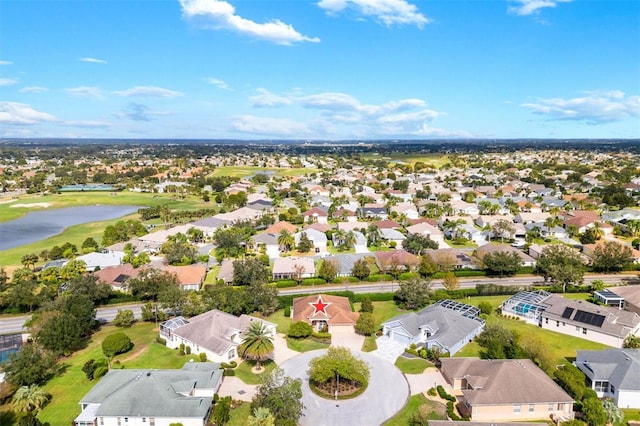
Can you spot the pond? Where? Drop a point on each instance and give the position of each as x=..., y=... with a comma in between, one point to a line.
x=41, y=224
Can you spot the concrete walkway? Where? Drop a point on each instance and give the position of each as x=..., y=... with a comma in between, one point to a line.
x=281, y=351
x=236, y=389
x=385, y=396
x=348, y=339
x=430, y=378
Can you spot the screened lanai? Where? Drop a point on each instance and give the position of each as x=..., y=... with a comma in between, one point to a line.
x=528, y=305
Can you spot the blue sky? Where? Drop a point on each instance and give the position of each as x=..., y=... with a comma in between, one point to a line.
x=322, y=69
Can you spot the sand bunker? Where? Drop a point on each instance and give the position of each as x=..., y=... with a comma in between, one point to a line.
x=31, y=205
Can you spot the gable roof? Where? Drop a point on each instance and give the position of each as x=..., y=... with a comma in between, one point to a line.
x=117, y=275
x=278, y=227
x=188, y=274
x=504, y=381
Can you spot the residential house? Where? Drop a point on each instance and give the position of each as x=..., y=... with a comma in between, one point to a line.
x=498, y=390
x=117, y=276
x=190, y=277
x=579, y=318
x=462, y=207
x=243, y=214
x=407, y=209
x=631, y=297
x=100, y=260
x=346, y=261
x=446, y=325
x=589, y=250
x=325, y=313
x=152, y=397
x=526, y=218
x=495, y=248
x=613, y=373
x=267, y=241
x=316, y=214
x=428, y=230
x=373, y=210
x=392, y=236
x=226, y=271
x=285, y=268
x=451, y=258
x=396, y=259
x=280, y=226
x=580, y=219
x=318, y=238
x=215, y=333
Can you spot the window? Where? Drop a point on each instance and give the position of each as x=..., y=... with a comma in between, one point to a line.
x=557, y=323
x=560, y=407
x=532, y=408
x=144, y=420
x=601, y=386
x=101, y=421
x=584, y=331
x=546, y=320
x=126, y=419
x=577, y=328
x=152, y=421
x=612, y=389
x=550, y=407
x=119, y=421
x=516, y=408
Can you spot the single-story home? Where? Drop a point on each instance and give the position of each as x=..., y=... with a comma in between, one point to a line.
x=285, y=268
x=505, y=390
x=190, y=277
x=447, y=325
x=613, y=373
x=152, y=397
x=117, y=276
x=324, y=312
x=215, y=333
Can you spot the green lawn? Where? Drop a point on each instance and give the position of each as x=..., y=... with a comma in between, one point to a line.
x=244, y=373
x=412, y=366
x=240, y=414
x=403, y=418
x=305, y=345
x=280, y=320
x=369, y=343
x=244, y=171
x=68, y=388
x=559, y=346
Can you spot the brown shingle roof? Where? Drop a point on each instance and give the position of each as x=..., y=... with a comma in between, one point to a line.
x=338, y=312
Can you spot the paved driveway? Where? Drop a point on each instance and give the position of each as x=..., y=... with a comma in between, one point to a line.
x=281, y=352
x=430, y=378
x=236, y=389
x=347, y=338
x=386, y=395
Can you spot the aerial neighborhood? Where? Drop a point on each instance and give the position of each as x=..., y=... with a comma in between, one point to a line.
x=321, y=284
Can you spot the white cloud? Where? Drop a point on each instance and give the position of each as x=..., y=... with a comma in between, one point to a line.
x=148, y=92
x=84, y=92
x=218, y=83
x=594, y=108
x=532, y=7
x=268, y=126
x=387, y=12
x=33, y=89
x=22, y=114
x=6, y=63
x=222, y=15
x=331, y=101
x=88, y=124
x=265, y=98
x=8, y=81
x=93, y=60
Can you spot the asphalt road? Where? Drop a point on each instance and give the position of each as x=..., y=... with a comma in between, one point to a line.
x=13, y=325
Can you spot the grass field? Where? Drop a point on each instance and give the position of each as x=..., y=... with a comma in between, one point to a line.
x=412, y=366
x=68, y=388
x=244, y=373
x=435, y=160
x=305, y=345
x=404, y=417
x=244, y=171
x=240, y=414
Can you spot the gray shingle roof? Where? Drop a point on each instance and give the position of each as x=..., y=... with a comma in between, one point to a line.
x=155, y=393
x=621, y=367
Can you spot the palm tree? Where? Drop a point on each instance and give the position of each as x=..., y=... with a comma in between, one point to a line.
x=597, y=230
x=257, y=344
x=286, y=240
x=633, y=226
x=30, y=399
x=373, y=235
x=349, y=240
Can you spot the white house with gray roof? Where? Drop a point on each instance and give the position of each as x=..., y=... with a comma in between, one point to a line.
x=216, y=333
x=613, y=373
x=152, y=397
x=447, y=325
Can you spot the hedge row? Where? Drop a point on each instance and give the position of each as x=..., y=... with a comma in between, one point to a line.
x=373, y=278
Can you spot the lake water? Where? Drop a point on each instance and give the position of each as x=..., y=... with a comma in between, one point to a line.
x=41, y=224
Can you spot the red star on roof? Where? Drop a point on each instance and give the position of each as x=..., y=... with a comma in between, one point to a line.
x=320, y=306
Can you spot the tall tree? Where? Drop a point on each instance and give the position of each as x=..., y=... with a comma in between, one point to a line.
x=414, y=293
x=611, y=257
x=502, y=263
x=31, y=365
x=249, y=271
x=257, y=343
x=282, y=396
x=561, y=264
x=286, y=240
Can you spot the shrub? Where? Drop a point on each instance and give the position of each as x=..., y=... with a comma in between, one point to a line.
x=88, y=368
x=228, y=372
x=229, y=365
x=451, y=412
x=406, y=276
x=117, y=343
x=374, y=297
x=286, y=283
x=203, y=357
x=287, y=311
x=379, y=277
x=366, y=305
x=485, y=308
x=188, y=350
x=100, y=371
x=432, y=392
x=124, y=318
x=161, y=340
x=321, y=337
x=300, y=329
x=313, y=281
x=444, y=395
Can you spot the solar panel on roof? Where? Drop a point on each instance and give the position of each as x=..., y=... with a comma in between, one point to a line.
x=567, y=312
x=589, y=318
